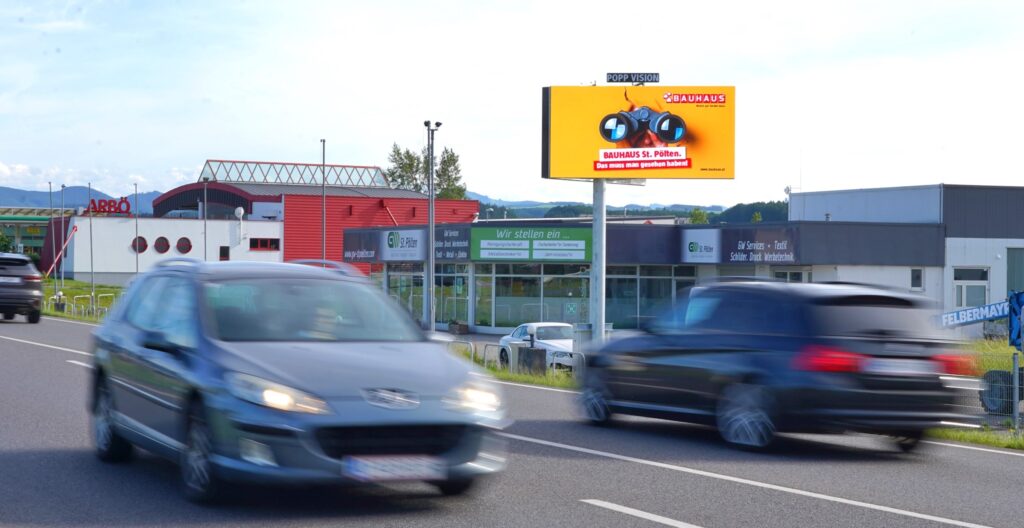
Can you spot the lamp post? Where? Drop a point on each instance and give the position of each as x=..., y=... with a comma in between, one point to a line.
x=63, y=232
x=53, y=238
x=428, y=291
x=92, y=268
x=206, y=180
x=489, y=211
x=323, y=201
x=136, y=228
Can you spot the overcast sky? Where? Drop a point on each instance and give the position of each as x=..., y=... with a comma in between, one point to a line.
x=829, y=95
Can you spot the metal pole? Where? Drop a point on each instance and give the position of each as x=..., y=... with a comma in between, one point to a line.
x=92, y=269
x=323, y=200
x=136, y=229
x=597, y=271
x=53, y=238
x=1016, y=391
x=206, y=208
x=63, y=232
x=428, y=290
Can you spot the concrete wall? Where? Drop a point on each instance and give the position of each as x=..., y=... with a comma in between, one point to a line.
x=113, y=254
x=980, y=253
x=920, y=205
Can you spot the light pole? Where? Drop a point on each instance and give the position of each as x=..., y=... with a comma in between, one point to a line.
x=489, y=211
x=53, y=238
x=137, y=229
x=428, y=291
x=206, y=180
x=92, y=268
x=323, y=201
x=63, y=234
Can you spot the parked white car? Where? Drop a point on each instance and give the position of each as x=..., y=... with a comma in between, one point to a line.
x=556, y=338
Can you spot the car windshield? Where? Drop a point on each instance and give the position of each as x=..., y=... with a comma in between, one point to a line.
x=271, y=309
x=554, y=332
x=876, y=316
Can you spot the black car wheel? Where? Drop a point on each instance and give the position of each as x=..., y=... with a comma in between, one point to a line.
x=198, y=479
x=110, y=447
x=594, y=401
x=909, y=441
x=34, y=316
x=995, y=397
x=451, y=488
x=8, y=316
x=744, y=416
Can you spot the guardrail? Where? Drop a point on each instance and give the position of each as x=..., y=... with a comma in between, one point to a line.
x=81, y=308
x=492, y=356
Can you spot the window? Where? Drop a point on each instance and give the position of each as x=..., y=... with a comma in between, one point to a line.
x=916, y=279
x=177, y=318
x=264, y=244
x=184, y=245
x=139, y=245
x=686, y=271
x=655, y=271
x=147, y=304
x=225, y=253
x=970, y=274
x=162, y=245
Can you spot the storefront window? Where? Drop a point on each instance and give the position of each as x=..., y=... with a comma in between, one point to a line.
x=686, y=271
x=655, y=271
x=620, y=302
x=622, y=270
x=516, y=300
x=484, y=269
x=566, y=269
x=451, y=293
x=407, y=290
x=484, y=305
x=526, y=269
x=566, y=299
x=655, y=297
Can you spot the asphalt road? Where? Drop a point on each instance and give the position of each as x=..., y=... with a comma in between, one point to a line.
x=563, y=473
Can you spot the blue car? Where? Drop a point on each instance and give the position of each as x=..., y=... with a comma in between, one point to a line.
x=286, y=374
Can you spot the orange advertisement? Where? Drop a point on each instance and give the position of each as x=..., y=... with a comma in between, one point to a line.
x=639, y=132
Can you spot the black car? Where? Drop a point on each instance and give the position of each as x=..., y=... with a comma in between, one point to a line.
x=756, y=358
x=288, y=374
x=21, y=287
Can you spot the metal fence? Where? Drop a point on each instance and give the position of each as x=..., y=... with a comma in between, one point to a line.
x=506, y=358
x=999, y=395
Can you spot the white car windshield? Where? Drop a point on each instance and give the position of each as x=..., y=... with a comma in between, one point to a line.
x=547, y=333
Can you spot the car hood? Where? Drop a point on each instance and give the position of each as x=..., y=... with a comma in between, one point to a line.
x=344, y=370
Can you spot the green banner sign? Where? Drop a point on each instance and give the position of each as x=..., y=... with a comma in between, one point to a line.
x=544, y=244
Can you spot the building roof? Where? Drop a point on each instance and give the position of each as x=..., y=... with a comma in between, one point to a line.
x=277, y=190
x=238, y=171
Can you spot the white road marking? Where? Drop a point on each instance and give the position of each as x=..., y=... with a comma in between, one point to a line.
x=79, y=363
x=44, y=345
x=972, y=448
x=538, y=387
x=69, y=321
x=639, y=513
x=747, y=482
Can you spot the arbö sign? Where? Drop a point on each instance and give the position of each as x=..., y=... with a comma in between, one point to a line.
x=120, y=206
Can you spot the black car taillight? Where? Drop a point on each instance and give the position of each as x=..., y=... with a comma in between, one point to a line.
x=32, y=278
x=957, y=364
x=818, y=358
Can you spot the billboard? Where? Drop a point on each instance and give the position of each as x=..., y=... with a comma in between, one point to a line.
x=361, y=246
x=759, y=245
x=551, y=244
x=403, y=245
x=701, y=246
x=645, y=132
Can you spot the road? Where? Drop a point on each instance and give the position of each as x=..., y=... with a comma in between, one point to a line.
x=645, y=473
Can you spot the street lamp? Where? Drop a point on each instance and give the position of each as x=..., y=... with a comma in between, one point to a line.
x=63, y=234
x=206, y=180
x=53, y=239
x=489, y=211
x=428, y=292
x=323, y=202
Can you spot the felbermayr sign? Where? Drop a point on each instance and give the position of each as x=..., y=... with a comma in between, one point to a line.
x=976, y=314
x=403, y=245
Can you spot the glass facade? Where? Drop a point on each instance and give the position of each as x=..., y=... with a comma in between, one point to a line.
x=451, y=293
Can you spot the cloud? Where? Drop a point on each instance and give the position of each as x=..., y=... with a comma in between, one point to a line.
x=114, y=182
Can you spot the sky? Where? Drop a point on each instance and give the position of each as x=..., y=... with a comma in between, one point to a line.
x=829, y=95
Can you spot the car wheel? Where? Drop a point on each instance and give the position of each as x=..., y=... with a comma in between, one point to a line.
x=744, y=416
x=110, y=447
x=8, y=316
x=594, y=401
x=451, y=488
x=909, y=441
x=503, y=358
x=198, y=479
x=34, y=316
x=995, y=397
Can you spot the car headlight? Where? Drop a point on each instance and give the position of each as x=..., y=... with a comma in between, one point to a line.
x=475, y=397
x=274, y=395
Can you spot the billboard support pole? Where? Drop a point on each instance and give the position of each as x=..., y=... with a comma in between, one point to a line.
x=597, y=265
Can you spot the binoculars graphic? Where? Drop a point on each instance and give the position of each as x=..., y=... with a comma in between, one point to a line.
x=669, y=128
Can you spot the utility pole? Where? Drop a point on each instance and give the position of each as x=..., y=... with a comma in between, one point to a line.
x=428, y=290
x=53, y=239
x=92, y=267
x=206, y=208
x=137, y=229
x=323, y=201
x=63, y=232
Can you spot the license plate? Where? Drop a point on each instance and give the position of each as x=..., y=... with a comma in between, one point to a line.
x=383, y=468
x=10, y=280
x=901, y=367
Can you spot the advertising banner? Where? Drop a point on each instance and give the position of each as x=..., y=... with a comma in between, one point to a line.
x=451, y=243
x=701, y=246
x=759, y=246
x=550, y=244
x=645, y=132
x=403, y=244
x=361, y=246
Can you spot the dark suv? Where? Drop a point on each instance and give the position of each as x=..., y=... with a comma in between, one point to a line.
x=21, y=287
x=756, y=358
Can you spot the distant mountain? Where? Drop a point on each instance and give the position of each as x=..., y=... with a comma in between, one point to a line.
x=534, y=209
x=73, y=197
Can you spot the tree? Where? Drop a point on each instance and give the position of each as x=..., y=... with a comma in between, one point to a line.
x=569, y=211
x=756, y=217
x=406, y=170
x=697, y=216
x=449, y=177
x=5, y=244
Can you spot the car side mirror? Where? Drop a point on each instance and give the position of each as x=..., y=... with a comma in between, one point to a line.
x=154, y=340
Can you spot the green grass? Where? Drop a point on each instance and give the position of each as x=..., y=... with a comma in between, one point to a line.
x=560, y=380
x=992, y=354
x=73, y=288
x=1004, y=439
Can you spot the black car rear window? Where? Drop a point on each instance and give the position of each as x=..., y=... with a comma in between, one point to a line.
x=875, y=316
x=8, y=262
